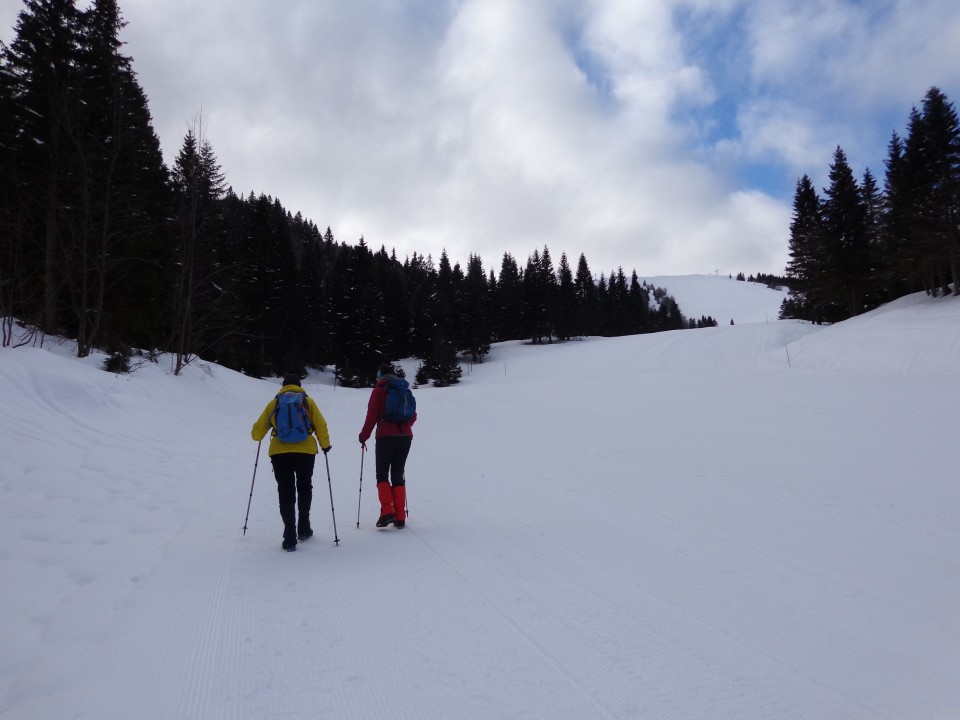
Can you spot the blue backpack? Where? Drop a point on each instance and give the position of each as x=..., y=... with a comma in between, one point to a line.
x=291, y=419
x=401, y=404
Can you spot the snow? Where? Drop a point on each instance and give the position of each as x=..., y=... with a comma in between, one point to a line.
x=715, y=296
x=749, y=521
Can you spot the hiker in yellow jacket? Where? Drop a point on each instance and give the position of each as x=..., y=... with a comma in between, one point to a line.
x=293, y=451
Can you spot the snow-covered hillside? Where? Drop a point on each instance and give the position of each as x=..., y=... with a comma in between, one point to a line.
x=749, y=521
x=721, y=297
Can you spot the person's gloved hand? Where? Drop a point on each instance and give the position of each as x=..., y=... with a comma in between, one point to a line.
x=327, y=449
x=363, y=441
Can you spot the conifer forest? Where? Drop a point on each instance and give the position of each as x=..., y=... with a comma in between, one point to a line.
x=859, y=245
x=102, y=242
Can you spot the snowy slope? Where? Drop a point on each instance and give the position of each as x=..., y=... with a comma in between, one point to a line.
x=756, y=521
x=721, y=297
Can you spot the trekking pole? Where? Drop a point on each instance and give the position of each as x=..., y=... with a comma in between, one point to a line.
x=363, y=450
x=255, y=462
x=336, y=538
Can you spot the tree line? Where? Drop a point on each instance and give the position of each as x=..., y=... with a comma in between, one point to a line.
x=100, y=241
x=859, y=246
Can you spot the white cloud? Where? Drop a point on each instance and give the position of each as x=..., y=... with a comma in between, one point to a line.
x=830, y=73
x=591, y=126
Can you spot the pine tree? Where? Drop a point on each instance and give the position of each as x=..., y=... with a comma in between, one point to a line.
x=934, y=150
x=921, y=230
x=14, y=288
x=420, y=283
x=395, y=317
x=566, y=301
x=539, y=290
x=442, y=363
x=439, y=356
x=357, y=309
x=311, y=271
x=511, y=309
x=896, y=247
x=475, y=311
x=667, y=316
x=638, y=299
x=806, y=234
x=619, y=306
x=198, y=188
x=844, y=278
x=85, y=168
x=873, y=204
x=585, y=291
x=40, y=72
x=550, y=285
x=603, y=322
x=116, y=227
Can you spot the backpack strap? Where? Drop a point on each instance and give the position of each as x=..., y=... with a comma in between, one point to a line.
x=273, y=415
x=306, y=410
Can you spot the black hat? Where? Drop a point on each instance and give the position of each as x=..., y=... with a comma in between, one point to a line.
x=291, y=379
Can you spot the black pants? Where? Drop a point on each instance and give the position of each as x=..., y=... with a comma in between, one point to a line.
x=294, y=474
x=392, y=452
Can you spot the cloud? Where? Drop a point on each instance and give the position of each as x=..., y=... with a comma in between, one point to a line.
x=642, y=134
x=829, y=73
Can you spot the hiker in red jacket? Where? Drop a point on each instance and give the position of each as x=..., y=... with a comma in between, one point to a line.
x=393, y=446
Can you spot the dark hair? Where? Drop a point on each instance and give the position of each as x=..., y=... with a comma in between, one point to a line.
x=387, y=369
x=291, y=379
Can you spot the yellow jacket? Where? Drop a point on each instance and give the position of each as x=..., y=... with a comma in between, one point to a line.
x=265, y=423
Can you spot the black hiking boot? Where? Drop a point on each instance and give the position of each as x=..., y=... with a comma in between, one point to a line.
x=289, y=545
x=400, y=524
x=304, y=533
x=386, y=520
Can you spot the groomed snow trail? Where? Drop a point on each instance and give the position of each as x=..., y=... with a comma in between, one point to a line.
x=670, y=526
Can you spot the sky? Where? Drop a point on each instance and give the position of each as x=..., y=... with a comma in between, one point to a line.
x=665, y=136
x=749, y=521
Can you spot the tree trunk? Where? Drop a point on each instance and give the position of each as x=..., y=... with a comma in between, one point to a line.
x=51, y=250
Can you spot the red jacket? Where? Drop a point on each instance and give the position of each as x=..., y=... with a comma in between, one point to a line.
x=376, y=407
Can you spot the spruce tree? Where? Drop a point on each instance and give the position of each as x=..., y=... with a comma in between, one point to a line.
x=550, y=286
x=85, y=172
x=539, y=289
x=420, y=282
x=638, y=299
x=934, y=151
x=311, y=267
x=441, y=364
x=619, y=307
x=566, y=301
x=15, y=290
x=117, y=227
x=199, y=186
x=475, y=310
x=585, y=291
x=873, y=207
x=357, y=311
x=844, y=277
x=806, y=235
x=395, y=317
x=602, y=324
x=897, y=249
x=40, y=73
x=511, y=309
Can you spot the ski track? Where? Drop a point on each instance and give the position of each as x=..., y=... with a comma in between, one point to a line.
x=692, y=549
x=742, y=583
x=234, y=626
x=611, y=670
